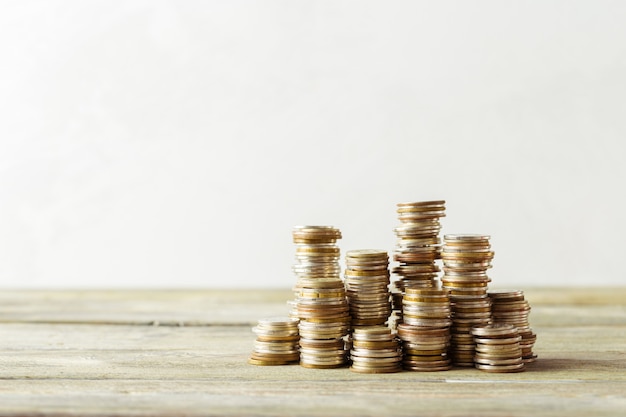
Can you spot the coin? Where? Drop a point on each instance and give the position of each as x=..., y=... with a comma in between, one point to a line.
x=511, y=307
x=260, y=362
x=486, y=361
x=275, y=356
x=339, y=364
x=367, y=279
x=501, y=368
x=320, y=303
x=494, y=330
x=375, y=349
x=371, y=370
x=425, y=329
x=497, y=348
x=417, y=246
x=421, y=368
x=466, y=259
x=276, y=342
x=375, y=353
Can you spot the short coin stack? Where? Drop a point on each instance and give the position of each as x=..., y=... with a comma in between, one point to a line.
x=467, y=311
x=367, y=286
x=317, y=253
x=498, y=348
x=276, y=342
x=466, y=259
x=425, y=331
x=510, y=307
x=324, y=321
x=417, y=246
x=375, y=350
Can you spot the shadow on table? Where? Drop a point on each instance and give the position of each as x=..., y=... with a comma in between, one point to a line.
x=581, y=364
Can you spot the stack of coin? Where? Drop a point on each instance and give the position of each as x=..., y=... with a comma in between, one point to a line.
x=498, y=348
x=320, y=303
x=510, y=307
x=324, y=321
x=276, y=342
x=425, y=331
x=467, y=311
x=417, y=247
x=317, y=255
x=466, y=259
x=375, y=350
x=367, y=286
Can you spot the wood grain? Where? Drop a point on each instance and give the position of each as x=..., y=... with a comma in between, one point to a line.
x=101, y=353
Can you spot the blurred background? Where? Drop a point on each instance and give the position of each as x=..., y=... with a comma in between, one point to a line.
x=176, y=143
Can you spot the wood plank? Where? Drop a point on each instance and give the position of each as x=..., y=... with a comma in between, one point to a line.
x=365, y=396
x=584, y=296
x=111, y=352
x=117, y=369
x=99, y=353
x=201, y=307
x=165, y=307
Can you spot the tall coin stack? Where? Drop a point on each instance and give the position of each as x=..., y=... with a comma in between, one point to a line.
x=276, y=342
x=375, y=349
x=417, y=247
x=497, y=348
x=510, y=307
x=425, y=331
x=321, y=303
x=466, y=259
x=367, y=286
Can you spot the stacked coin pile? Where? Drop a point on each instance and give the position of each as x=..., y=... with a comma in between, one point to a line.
x=467, y=311
x=367, y=286
x=417, y=246
x=276, y=342
x=324, y=321
x=317, y=254
x=466, y=259
x=320, y=303
x=498, y=348
x=510, y=307
x=375, y=350
x=425, y=331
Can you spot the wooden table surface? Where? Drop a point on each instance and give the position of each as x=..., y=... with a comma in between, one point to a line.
x=184, y=353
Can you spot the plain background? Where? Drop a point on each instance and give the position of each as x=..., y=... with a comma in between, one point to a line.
x=176, y=143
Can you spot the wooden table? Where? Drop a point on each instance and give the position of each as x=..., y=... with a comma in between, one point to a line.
x=184, y=353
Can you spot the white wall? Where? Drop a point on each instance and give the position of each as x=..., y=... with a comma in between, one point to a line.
x=176, y=143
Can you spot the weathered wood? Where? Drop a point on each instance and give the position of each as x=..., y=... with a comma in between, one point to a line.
x=165, y=307
x=66, y=367
x=201, y=307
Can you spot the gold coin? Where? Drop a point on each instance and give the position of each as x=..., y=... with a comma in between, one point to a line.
x=425, y=292
x=367, y=253
x=499, y=362
x=274, y=357
x=322, y=366
x=319, y=283
x=384, y=370
x=466, y=237
x=418, y=368
x=501, y=368
x=358, y=344
x=259, y=362
x=306, y=241
x=371, y=362
x=338, y=319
